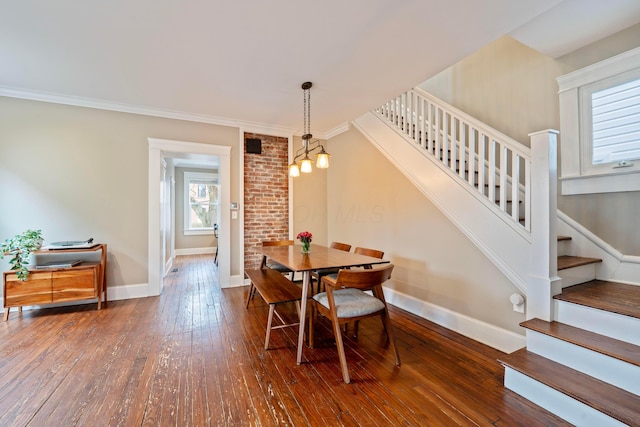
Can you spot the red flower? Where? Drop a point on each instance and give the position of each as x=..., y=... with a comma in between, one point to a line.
x=304, y=236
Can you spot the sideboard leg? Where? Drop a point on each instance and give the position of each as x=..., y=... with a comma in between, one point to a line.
x=6, y=313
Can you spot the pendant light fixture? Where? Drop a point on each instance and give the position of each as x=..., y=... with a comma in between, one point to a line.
x=322, y=158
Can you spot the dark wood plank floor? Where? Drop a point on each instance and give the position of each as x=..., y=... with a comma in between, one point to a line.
x=194, y=357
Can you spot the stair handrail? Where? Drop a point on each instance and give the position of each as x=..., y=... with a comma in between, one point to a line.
x=491, y=165
x=488, y=161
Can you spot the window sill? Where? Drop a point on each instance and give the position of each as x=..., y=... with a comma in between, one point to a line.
x=199, y=232
x=606, y=183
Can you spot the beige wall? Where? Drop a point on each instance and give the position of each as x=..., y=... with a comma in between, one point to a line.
x=620, y=42
x=513, y=88
x=371, y=204
x=182, y=241
x=80, y=172
x=505, y=85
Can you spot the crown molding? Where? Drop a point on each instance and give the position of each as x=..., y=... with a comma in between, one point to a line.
x=76, y=101
x=337, y=130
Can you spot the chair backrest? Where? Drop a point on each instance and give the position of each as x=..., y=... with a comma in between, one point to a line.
x=374, y=253
x=277, y=242
x=263, y=261
x=363, y=279
x=341, y=246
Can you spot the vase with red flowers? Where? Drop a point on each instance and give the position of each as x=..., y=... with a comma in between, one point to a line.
x=305, y=240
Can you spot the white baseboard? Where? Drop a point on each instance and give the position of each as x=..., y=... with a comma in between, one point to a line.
x=118, y=293
x=236, y=281
x=168, y=265
x=478, y=330
x=195, y=251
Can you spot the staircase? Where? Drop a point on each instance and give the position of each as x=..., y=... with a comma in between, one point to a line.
x=582, y=359
x=585, y=365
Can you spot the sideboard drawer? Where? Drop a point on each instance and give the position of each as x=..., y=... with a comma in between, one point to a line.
x=75, y=284
x=35, y=290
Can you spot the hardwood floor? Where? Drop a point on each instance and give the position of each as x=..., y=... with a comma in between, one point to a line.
x=194, y=357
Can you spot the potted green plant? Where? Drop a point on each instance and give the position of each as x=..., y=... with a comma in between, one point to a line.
x=20, y=248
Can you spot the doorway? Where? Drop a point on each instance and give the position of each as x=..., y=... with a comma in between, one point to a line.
x=159, y=151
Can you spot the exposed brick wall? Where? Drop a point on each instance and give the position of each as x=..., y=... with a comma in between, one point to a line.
x=266, y=195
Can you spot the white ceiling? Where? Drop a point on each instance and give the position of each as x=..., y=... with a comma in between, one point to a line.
x=243, y=61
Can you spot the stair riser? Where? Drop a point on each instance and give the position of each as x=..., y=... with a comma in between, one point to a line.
x=623, y=328
x=558, y=403
x=597, y=365
x=576, y=275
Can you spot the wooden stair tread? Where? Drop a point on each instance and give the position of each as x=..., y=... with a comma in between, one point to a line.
x=615, y=297
x=568, y=261
x=611, y=347
x=563, y=238
x=608, y=399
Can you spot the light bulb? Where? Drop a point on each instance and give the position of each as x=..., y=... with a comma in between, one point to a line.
x=322, y=160
x=305, y=165
x=294, y=170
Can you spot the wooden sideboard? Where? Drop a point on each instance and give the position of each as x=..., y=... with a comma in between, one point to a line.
x=56, y=285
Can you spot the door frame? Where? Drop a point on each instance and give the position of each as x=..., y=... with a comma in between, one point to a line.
x=163, y=148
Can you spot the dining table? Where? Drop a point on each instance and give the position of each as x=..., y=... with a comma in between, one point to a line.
x=319, y=257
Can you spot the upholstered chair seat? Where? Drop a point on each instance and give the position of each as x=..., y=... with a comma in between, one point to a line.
x=351, y=303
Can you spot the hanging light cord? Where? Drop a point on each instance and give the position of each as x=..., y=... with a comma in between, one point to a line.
x=306, y=87
x=307, y=113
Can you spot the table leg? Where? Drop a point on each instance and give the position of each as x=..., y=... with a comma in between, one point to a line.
x=306, y=275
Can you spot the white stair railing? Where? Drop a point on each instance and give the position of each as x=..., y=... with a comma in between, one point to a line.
x=494, y=166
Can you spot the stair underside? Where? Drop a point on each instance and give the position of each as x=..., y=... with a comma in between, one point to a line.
x=617, y=349
x=615, y=297
x=612, y=401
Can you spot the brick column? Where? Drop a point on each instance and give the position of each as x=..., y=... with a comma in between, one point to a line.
x=266, y=195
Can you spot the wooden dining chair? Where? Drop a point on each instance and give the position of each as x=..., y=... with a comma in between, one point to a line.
x=374, y=253
x=269, y=263
x=317, y=275
x=345, y=301
x=340, y=246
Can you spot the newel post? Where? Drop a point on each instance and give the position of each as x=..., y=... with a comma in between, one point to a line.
x=544, y=282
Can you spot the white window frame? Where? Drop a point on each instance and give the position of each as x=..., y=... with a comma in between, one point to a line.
x=198, y=176
x=578, y=174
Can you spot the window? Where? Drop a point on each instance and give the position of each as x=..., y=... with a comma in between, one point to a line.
x=615, y=120
x=201, y=195
x=600, y=126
